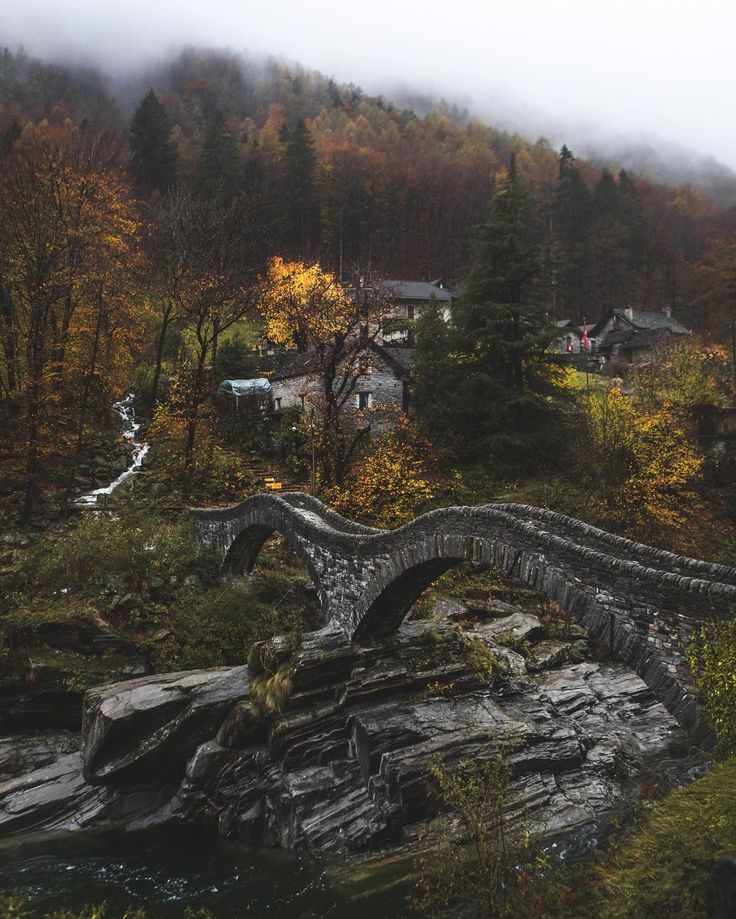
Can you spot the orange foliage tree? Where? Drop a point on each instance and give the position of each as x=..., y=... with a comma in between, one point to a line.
x=68, y=250
x=393, y=480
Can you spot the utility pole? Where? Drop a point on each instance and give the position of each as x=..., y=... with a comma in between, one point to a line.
x=312, y=429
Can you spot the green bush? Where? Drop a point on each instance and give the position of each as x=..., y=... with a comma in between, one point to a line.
x=472, y=868
x=712, y=659
x=136, y=544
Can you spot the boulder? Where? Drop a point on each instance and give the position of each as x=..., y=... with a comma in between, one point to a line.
x=147, y=729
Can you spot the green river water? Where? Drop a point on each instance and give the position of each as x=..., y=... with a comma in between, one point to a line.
x=164, y=873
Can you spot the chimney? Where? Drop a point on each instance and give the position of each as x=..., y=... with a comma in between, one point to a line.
x=629, y=313
x=667, y=310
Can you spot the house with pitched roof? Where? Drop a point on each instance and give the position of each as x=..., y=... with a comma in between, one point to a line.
x=384, y=382
x=633, y=337
x=408, y=299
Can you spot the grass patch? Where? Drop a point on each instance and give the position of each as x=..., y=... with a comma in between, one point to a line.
x=485, y=664
x=663, y=870
x=137, y=544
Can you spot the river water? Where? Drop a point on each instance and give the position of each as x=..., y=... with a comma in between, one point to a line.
x=164, y=873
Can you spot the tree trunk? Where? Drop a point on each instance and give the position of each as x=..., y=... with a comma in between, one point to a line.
x=9, y=340
x=30, y=496
x=194, y=400
x=160, y=344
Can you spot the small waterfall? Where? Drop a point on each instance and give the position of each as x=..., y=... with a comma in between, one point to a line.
x=126, y=410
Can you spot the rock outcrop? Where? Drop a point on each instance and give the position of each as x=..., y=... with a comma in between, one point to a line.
x=342, y=768
x=147, y=728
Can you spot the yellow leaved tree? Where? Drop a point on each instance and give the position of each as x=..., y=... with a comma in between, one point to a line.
x=304, y=306
x=392, y=482
x=644, y=461
x=307, y=309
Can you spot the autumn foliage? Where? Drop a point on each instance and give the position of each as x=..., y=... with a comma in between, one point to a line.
x=72, y=314
x=392, y=482
x=304, y=306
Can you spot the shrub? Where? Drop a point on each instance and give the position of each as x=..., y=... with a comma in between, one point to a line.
x=485, y=664
x=476, y=867
x=136, y=544
x=712, y=659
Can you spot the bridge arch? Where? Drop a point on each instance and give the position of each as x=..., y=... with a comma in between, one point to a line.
x=642, y=602
x=242, y=556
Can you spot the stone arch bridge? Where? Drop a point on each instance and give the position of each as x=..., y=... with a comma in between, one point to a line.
x=644, y=603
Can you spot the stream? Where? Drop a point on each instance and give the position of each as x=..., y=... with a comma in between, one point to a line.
x=164, y=873
x=126, y=410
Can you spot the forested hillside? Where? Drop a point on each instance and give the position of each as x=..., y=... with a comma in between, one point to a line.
x=369, y=189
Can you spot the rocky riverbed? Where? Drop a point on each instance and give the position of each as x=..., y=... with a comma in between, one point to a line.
x=342, y=769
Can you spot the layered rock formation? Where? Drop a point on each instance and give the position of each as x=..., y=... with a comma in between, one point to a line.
x=343, y=767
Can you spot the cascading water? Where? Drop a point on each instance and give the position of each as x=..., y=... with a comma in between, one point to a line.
x=126, y=409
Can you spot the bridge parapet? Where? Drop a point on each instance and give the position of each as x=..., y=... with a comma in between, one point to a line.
x=645, y=603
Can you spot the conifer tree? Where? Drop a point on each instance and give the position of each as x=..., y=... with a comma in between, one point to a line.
x=494, y=389
x=301, y=164
x=154, y=155
x=219, y=168
x=502, y=313
x=571, y=215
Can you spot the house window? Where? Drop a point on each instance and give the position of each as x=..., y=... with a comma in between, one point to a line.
x=410, y=312
x=364, y=400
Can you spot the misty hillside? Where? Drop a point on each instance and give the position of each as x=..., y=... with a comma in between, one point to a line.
x=372, y=188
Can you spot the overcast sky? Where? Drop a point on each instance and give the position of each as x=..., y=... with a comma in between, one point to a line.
x=635, y=67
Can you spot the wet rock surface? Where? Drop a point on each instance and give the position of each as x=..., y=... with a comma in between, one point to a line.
x=343, y=769
x=146, y=729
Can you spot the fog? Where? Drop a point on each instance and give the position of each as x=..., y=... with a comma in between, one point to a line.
x=594, y=73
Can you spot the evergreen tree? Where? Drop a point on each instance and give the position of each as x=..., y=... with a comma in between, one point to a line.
x=493, y=387
x=502, y=312
x=432, y=368
x=300, y=166
x=571, y=215
x=617, y=243
x=219, y=167
x=9, y=137
x=154, y=155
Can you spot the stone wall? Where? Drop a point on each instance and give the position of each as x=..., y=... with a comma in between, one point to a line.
x=644, y=603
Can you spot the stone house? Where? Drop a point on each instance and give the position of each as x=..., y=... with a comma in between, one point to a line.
x=635, y=338
x=570, y=339
x=385, y=381
x=408, y=299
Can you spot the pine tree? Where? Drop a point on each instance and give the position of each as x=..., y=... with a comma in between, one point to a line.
x=300, y=165
x=503, y=312
x=495, y=387
x=571, y=214
x=220, y=167
x=617, y=243
x=432, y=369
x=154, y=155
